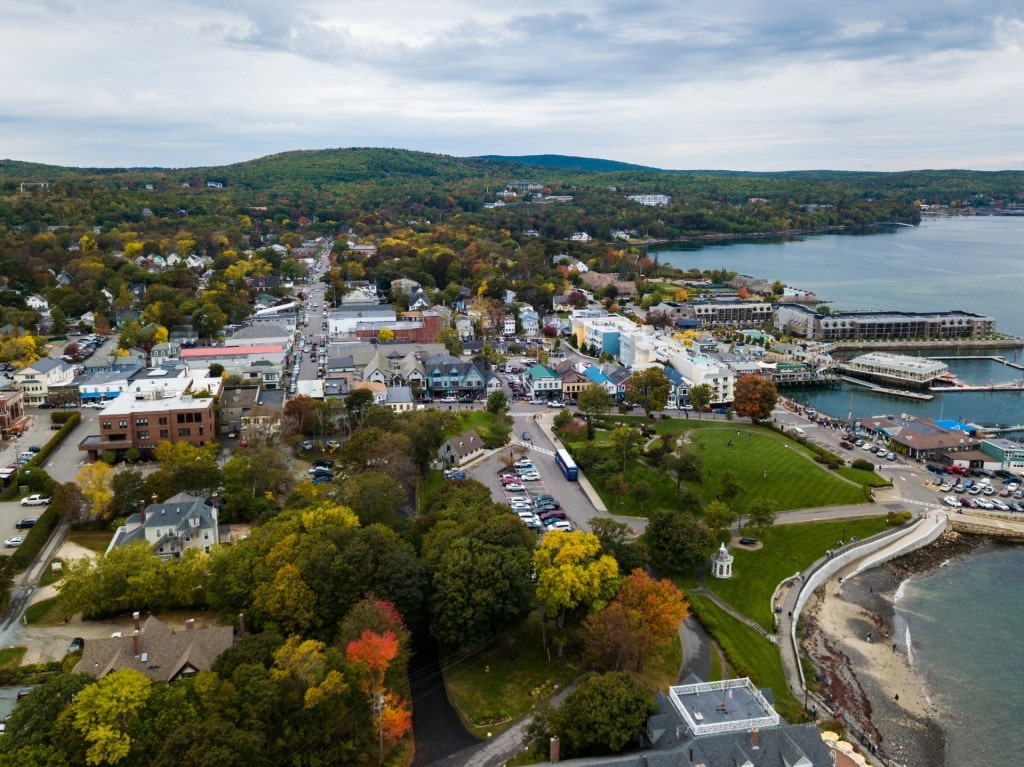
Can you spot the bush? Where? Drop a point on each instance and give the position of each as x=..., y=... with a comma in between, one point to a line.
x=72, y=420
x=36, y=538
x=63, y=416
x=863, y=464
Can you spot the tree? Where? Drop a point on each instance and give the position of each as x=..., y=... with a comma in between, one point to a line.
x=94, y=479
x=286, y=602
x=594, y=401
x=69, y=502
x=761, y=514
x=128, y=489
x=374, y=496
x=604, y=714
x=572, y=573
x=719, y=516
x=479, y=590
x=59, y=321
x=497, y=402
x=385, y=335
x=649, y=388
x=208, y=320
x=731, y=485
x=452, y=341
x=617, y=540
x=108, y=713
x=371, y=655
x=701, y=396
x=677, y=540
x=653, y=609
x=626, y=442
x=755, y=397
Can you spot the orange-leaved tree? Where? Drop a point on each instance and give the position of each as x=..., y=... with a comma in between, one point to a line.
x=370, y=656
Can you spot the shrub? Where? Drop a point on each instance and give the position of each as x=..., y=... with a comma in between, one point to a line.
x=863, y=464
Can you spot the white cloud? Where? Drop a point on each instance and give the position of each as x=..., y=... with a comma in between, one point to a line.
x=731, y=83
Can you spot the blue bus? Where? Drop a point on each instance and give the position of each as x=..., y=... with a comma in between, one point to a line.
x=566, y=464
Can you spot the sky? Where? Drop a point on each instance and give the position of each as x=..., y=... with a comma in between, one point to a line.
x=675, y=84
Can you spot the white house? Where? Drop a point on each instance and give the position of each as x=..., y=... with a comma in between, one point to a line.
x=36, y=379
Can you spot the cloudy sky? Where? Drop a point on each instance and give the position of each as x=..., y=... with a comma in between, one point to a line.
x=740, y=84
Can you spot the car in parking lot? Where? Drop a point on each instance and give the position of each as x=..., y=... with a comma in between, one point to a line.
x=559, y=525
x=14, y=542
x=551, y=514
x=515, y=486
x=36, y=499
x=26, y=523
x=306, y=444
x=77, y=644
x=523, y=462
x=951, y=500
x=530, y=476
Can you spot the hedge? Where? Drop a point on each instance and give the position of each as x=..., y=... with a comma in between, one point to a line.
x=73, y=419
x=36, y=538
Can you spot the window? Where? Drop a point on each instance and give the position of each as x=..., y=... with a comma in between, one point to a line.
x=184, y=431
x=122, y=424
x=142, y=422
x=142, y=435
x=163, y=420
x=106, y=425
x=165, y=434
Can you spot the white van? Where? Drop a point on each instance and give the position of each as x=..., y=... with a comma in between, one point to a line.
x=797, y=431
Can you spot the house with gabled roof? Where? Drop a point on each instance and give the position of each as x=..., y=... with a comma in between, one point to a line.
x=450, y=376
x=36, y=379
x=460, y=448
x=542, y=381
x=161, y=652
x=170, y=528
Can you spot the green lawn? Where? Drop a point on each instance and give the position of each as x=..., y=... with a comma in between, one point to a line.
x=45, y=613
x=497, y=685
x=862, y=477
x=491, y=428
x=767, y=465
x=785, y=550
x=10, y=657
x=501, y=683
x=49, y=576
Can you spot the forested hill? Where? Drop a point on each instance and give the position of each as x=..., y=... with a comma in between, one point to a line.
x=566, y=162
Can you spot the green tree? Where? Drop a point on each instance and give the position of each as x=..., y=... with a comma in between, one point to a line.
x=731, y=486
x=604, y=714
x=649, y=388
x=374, y=496
x=719, y=516
x=619, y=542
x=761, y=514
x=497, y=402
x=452, y=341
x=59, y=321
x=700, y=397
x=128, y=490
x=626, y=442
x=677, y=540
x=594, y=401
x=208, y=320
x=755, y=397
x=479, y=590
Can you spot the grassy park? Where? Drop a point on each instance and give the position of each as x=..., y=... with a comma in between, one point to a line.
x=768, y=465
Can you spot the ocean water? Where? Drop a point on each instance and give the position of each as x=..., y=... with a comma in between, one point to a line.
x=965, y=620
x=964, y=623
x=975, y=264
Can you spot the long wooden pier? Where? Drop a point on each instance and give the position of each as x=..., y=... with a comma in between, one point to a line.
x=876, y=389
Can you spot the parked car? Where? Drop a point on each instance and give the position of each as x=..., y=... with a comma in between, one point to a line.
x=951, y=500
x=515, y=486
x=14, y=542
x=77, y=645
x=551, y=514
x=560, y=525
x=26, y=523
x=306, y=444
x=523, y=462
x=530, y=476
x=36, y=499
x=327, y=463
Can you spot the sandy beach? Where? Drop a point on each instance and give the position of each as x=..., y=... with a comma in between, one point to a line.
x=878, y=692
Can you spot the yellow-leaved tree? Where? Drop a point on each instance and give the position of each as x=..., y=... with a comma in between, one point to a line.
x=94, y=480
x=572, y=573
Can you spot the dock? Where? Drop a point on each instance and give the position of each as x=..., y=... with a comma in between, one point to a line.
x=994, y=357
x=876, y=389
x=1011, y=386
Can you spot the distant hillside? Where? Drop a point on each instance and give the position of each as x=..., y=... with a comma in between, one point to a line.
x=566, y=162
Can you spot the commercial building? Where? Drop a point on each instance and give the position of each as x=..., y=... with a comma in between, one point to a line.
x=898, y=369
x=803, y=322
x=155, y=410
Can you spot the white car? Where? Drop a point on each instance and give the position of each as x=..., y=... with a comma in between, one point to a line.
x=951, y=500
x=530, y=476
x=561, y=526
x=514, y=486
x=999, y=505
x=523, y=463
x=945, y=487
x=38, y=499
x=14, y=542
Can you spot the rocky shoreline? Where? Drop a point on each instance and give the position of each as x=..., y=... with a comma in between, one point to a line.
x=863, y=671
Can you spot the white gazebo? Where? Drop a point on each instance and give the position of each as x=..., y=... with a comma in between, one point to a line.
x=721, y=563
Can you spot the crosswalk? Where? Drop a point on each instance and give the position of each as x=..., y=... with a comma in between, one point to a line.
x=531, y=446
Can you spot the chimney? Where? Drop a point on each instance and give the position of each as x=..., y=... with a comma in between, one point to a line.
x=136, y=649
x=754, y=738
x=241, y=624
x=554, y=752
x=142, y=512
x=136, y=620
x=190, y=624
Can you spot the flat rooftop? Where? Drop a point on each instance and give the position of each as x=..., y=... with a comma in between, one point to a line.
x=730, y=705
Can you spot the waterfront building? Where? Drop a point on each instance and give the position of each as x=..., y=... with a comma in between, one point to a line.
x=897, y=369
x=804, y=322
x=1008, y=453
x=727, y=312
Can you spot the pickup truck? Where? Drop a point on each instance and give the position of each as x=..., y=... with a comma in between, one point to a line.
x=36, y=499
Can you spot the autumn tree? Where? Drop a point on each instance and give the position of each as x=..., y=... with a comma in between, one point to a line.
x=452, y=341
x=655, y=608
x=755, y=397
x=107, y=715
x=649, y=388
x=370, y=656
x=572, y=573
x=94, y=480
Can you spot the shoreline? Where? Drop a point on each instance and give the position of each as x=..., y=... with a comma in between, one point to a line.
x=884, y=700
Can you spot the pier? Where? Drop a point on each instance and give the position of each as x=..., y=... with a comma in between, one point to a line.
x=875, y=389
x=1011, y=386
x=994, y=357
